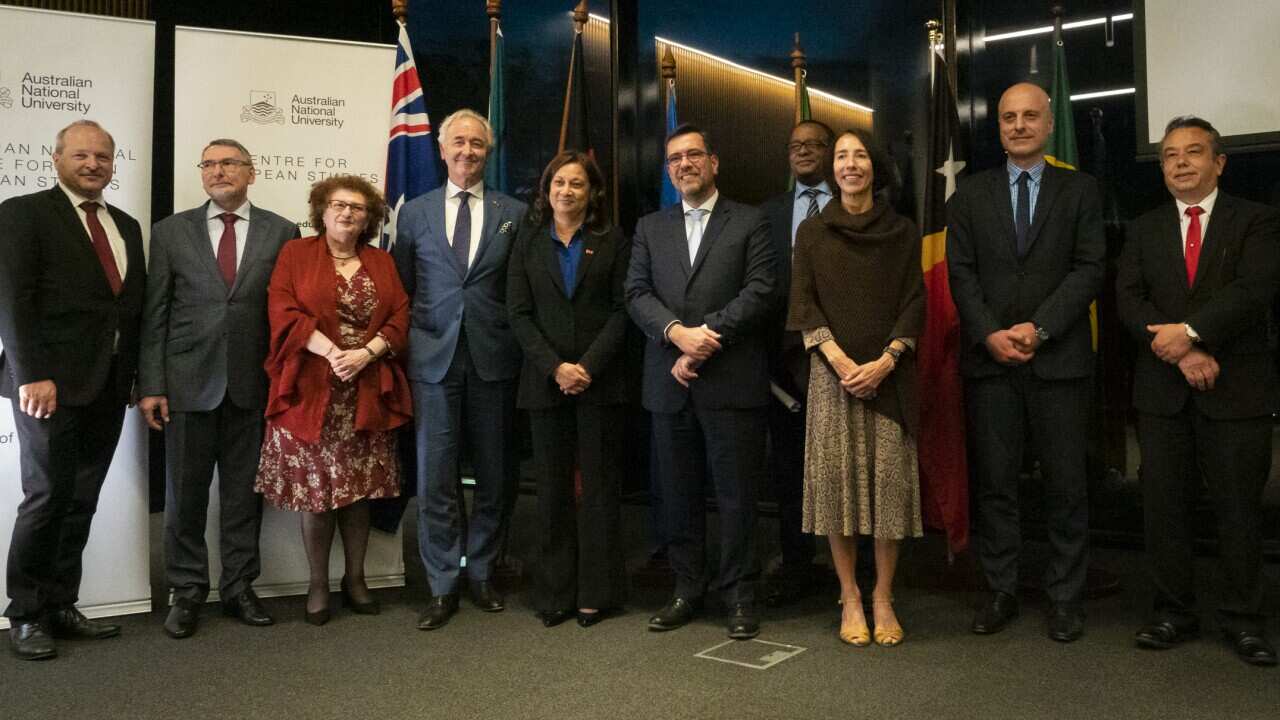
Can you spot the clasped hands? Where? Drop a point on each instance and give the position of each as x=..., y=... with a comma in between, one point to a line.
x=347, y=364
x=1173, y=345
x=696, y=345
x=572, y=378
x=861, y=381
x=1014, y=345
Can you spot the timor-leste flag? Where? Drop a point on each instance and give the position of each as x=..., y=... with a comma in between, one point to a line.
x=944, y=472
x=574, y=130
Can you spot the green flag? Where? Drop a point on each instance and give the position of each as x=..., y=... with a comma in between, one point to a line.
x=495, y=171
x=1061, y=150
x=802, y=109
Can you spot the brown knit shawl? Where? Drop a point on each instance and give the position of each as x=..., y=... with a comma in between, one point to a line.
x=860, y=276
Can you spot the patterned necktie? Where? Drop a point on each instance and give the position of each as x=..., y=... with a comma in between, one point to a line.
x=812, y=194
x=1022, y=218
x=1193, y=243
x=695, y=232
x=227, y=249
x=102, y=246
x=462, y=230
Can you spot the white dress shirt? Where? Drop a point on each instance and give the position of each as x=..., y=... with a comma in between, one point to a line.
x=215, y=227
x=476, y=203
x=114, y=238
x=1184, y=220
x=709, y=206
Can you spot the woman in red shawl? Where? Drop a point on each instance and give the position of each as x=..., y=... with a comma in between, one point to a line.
x=339, y=319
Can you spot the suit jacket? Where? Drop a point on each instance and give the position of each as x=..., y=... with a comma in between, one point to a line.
x=58, y=317
x=302, y=298
x=448, y=299
x=552, y=328
x=788, y=361
x=731, y=287
x=1229, y=306
x=1052, y=286
x=200, y=341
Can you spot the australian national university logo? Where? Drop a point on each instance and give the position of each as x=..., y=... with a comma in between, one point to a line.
x=262, y=109
x=303, y=110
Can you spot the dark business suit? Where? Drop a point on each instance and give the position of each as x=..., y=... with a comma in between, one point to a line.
x=203, y=348
x=581, y=554
x=463, y=363
x=718, y=423
x=1221, y=436
x=789, y=370
x=60, y=321
x=1047, y=398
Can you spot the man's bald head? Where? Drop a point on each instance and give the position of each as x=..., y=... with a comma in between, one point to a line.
x=1025, y=123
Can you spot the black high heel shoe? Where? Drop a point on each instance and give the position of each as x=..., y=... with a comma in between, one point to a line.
x=587, y=619
x=366, y=608
x=319, y=617
x=552, y=618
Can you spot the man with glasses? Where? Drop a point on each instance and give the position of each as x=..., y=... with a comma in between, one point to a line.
x=809, y=155
x=200, y=375
x=702, y=286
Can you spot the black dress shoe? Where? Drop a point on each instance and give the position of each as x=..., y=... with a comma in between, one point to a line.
x=183, y=618
x=1164, y=634
x=248, y=608
x=675, y=614
x=1252, y=647
x=743, y=624
x=587, y=619
x=438, y=612
x=486, y=597
x=554, y=617
x=70, y=623
x=360, y=608
x=1066, y=624
x=29, y=641
x=993, y=615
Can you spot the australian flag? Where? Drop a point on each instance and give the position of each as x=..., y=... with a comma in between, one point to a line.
x=411, y=164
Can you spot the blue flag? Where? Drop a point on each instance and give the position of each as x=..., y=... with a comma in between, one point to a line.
x=670, y=196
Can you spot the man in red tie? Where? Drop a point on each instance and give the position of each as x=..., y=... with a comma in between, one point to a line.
x=1196, y=281
x=204, y=340
x=72, y=276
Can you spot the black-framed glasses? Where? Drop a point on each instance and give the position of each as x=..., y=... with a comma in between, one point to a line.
x=810, y=145
x=340, y=206
x=694, y=156
x=227, y=164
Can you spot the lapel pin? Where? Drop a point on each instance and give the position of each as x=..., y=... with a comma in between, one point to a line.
x=589, y=251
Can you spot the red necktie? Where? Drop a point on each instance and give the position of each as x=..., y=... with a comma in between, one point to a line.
x=102, y=246
x=227, y=249
x=1193, y=243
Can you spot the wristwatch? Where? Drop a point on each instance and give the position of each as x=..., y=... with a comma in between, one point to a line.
x=894, y=353
x=1191, y=333
x=1042, y=334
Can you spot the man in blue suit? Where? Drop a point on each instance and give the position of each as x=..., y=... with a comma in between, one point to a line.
x=451, y=249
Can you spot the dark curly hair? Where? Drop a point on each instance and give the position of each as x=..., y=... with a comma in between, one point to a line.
x=595, y=221
x=324, y=189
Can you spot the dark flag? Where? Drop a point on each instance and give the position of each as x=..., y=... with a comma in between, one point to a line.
x=574, y=134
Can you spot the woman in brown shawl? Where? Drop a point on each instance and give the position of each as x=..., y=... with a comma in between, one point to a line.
x=857, y=296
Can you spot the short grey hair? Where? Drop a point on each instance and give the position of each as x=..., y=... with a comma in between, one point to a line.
x=59, y=141
x=228, y=142
x=466, y=113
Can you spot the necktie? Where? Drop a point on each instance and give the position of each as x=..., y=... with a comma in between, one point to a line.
x=102, y=246
x=462, y=230
x=812, y=194
x=695, y=232
x=1022, y=217
x=1193, y=243
x=227, y=249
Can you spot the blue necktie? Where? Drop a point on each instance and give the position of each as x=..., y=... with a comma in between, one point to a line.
x=1022, y=218
x=812, y=194
x=462, y=230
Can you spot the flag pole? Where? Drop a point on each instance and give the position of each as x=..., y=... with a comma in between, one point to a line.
x=799, y=63
x=933, y=27
x=580, y=17
x=493, y=8
x=947, y=35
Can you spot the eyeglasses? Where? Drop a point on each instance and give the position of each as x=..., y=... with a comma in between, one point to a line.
x=810, y=145
x=694, y=156
x=340, y=206
x=227, y=164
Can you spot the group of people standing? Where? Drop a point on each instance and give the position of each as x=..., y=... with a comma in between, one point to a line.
x=289, y=363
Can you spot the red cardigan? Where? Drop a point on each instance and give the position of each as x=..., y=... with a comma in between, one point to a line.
x=302, y=298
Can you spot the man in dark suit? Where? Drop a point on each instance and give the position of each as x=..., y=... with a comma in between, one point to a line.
x=809, y=155
x=451, y=250
x=71, y=288
x=204, y=340
x=1196, y=281
x=702, y=286
x=1025, y=251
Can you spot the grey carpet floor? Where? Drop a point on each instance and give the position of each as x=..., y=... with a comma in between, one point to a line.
x=506, y=665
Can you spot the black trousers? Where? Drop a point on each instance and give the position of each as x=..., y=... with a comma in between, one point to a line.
x=230, y=438
x=786, y=468
x=1233, y=457
x=64, y=461
x=729, y=445
x=1004, y=412
x=581, y=552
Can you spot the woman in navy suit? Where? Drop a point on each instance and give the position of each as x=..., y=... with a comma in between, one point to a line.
x=566, y=305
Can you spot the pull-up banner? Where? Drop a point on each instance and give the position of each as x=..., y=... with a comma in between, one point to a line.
x=305, y=109
x=56, y=68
